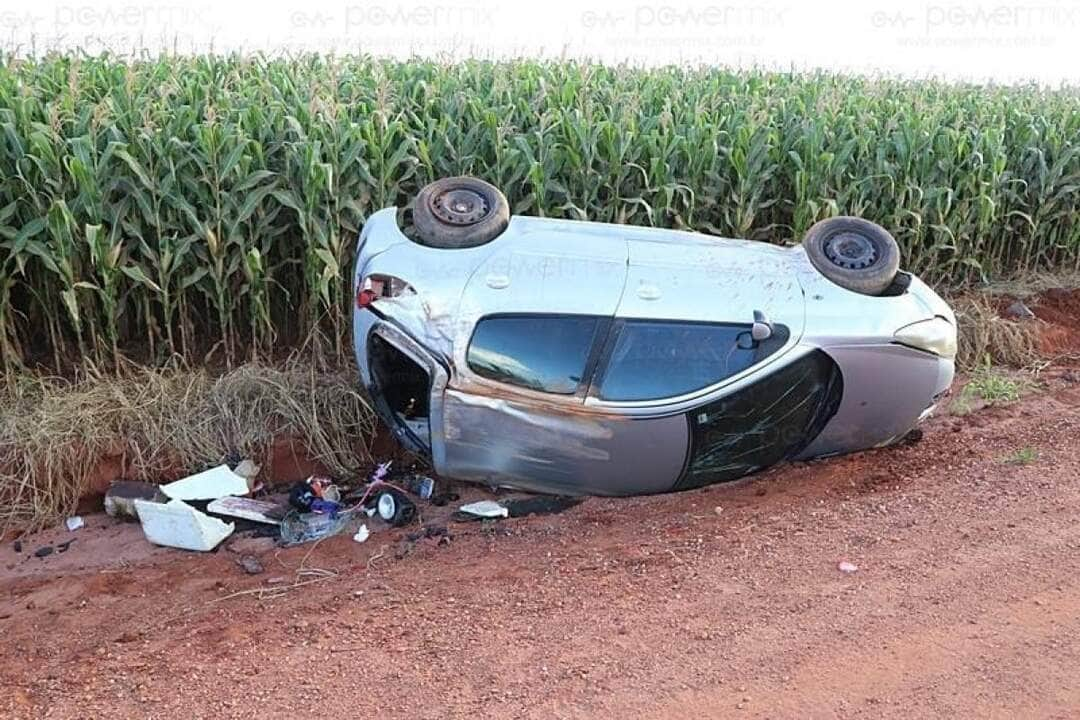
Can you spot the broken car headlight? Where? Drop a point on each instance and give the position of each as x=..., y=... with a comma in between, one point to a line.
x=936, y=335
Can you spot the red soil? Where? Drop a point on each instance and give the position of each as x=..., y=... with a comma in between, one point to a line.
x=721, y=602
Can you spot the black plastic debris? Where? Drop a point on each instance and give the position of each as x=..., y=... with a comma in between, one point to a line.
x=302, y=495
x=444, y=498
x=43, y=551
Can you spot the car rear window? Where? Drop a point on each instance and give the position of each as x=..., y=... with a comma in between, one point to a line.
x=538, y=352
x=652, y=359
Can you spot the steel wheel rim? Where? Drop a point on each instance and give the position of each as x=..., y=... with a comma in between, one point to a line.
x=851, y=251
x=460, y=206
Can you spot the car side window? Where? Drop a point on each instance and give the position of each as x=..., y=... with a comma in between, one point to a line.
x=652, y=360
x=770, y=420
x=539, y=352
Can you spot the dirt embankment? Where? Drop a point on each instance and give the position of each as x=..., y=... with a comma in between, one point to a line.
x=722, y=602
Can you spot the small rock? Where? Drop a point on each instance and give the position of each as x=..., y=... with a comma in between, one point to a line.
x=250, y=564
x=846, y=567
x=43, y=551
x=18, y=546
x=915, y=435
x=718, y=510
x=1019, y=311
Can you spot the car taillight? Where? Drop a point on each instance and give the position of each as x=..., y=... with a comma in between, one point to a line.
x=365, y=297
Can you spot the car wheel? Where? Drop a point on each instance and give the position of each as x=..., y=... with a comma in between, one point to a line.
x=395, y=508
x=459, y=212
x=855, y=254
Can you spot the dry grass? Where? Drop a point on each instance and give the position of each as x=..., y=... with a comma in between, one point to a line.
x=985, y=337
x=163, y=423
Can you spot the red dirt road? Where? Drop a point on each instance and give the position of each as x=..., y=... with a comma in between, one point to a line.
x=966, y=602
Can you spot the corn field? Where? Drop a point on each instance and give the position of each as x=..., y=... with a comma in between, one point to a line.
x=207, y=207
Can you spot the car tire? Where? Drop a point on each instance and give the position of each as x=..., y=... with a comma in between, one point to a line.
x=855, y=254
x=394, y=508
x=459, y=212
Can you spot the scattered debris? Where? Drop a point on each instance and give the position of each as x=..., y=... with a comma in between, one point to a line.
x=18, y=546
x=250, y=564
x=43, y=551
x=301, y=495
x=299, y=527
x=395, y=508
x=539, y=505
x=325, y=507
x=420, y=485
x=177, y=524
x=62, y=547
x=210, y=484
x=846, y=567
x=440, y=532
x=719, y=510
x=74, y=523
x=260, y=511
x=1019, y=311
x=316, y=495
x=122, y=494
x=444, y=498
x=248, y=470
x=482, y=509
x=362, y=534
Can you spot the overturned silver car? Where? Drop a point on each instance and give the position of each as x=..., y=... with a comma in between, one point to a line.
x=585, y=358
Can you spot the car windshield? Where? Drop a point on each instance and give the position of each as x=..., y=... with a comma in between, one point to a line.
x=545, y=353
x=659, y=359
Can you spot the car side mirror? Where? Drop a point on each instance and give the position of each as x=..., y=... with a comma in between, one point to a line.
x=762, y=328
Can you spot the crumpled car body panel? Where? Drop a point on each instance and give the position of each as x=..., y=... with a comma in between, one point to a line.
x=834, y=380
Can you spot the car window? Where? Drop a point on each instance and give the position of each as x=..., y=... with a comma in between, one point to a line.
x=770, y=420
x=652, y=359
x=545, y=353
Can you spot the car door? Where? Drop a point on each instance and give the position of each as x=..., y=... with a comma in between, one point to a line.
x=683, y=337
x=514, y=415
x=716, y=282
